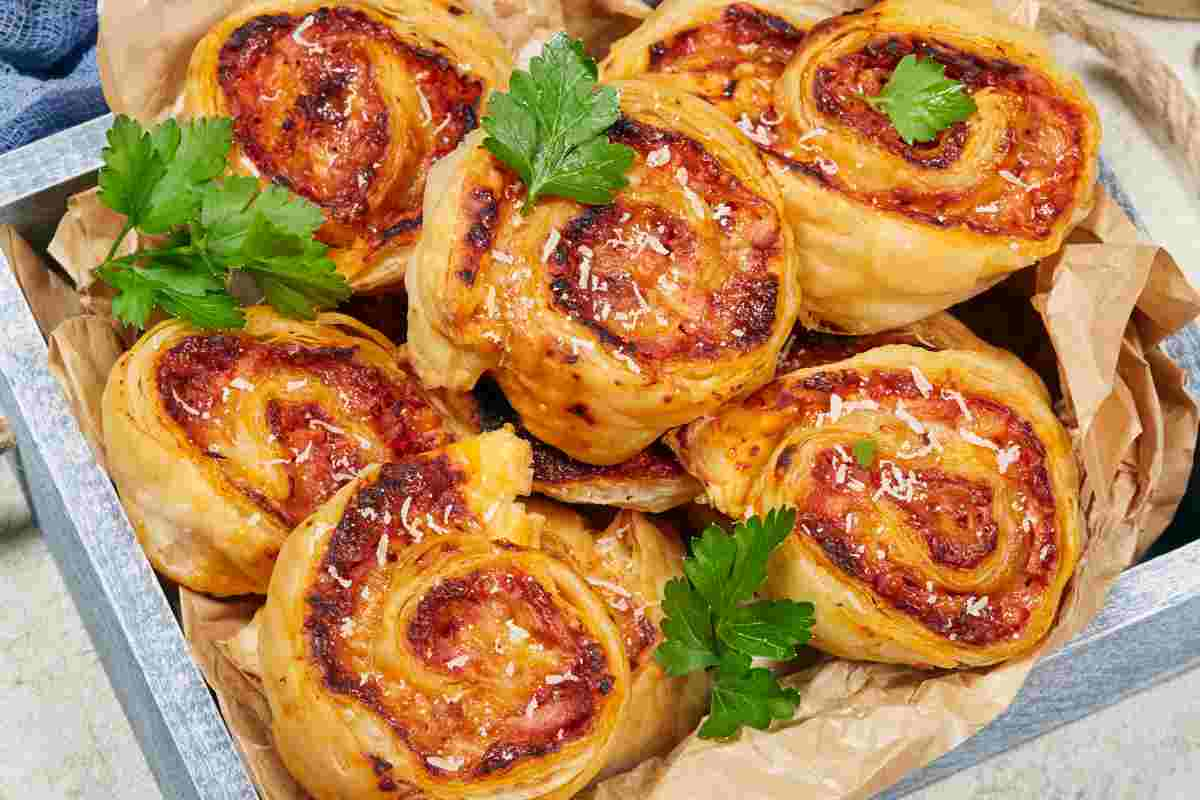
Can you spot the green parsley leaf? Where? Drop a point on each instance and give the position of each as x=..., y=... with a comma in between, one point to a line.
x=864, y=451
x=752, y=697
x=194, y=155
x=168, y=182
x=755, y=539
x=132, y=168
x=921, y=101
x=689, y=643
x=767, y=629
x=710, y=623
x=550, y=127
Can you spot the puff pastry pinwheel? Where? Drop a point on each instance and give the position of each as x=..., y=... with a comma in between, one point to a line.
x=652, y=480
x=888, y=232
x=936, y=496
x=413, y=641
x=607, y=325
x=627, y=564
x=222, y=442
x=349, y=104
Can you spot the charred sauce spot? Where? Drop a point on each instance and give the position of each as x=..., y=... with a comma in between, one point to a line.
x=739, y=24
x=310, y=113
x=202, y=376
x=481, y=212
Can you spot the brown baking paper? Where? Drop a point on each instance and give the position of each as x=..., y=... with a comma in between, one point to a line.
x=1089, y=318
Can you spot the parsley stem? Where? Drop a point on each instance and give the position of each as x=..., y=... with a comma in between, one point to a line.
x=112, y=251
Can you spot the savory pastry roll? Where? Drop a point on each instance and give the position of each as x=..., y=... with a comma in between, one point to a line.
x=652, y=480
x=349, y=104
x=412, y=642
x=888, y=231
x=627, y=564
x=607, y=325
x=937, y=501
x=220, y=443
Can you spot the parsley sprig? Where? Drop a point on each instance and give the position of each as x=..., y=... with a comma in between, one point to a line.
x=167, y=182
x=550, y=127
x=713, y=622
x=921, y=101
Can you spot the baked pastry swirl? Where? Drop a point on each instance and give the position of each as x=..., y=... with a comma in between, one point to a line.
x=414, y=642
x=349, y=104
x=607, y=325
x=888, y=232
x=936, y=495
x=627, y=564
x=220, y=443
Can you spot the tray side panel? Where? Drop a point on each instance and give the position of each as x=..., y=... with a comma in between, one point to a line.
x=1148, y=632
x=124, y=609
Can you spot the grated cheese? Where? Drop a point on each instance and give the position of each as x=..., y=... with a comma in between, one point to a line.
x=241, y=383
x=908, y=419
x=659, y=157
x=459, y=662
x=447, y=764
x=551, y=244
x=503, y=257
x=923, y=384
x=294, y=385
x=333, y=573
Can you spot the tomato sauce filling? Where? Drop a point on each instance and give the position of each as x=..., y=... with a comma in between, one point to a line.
x=521, y=675
x=847, y=507
x=325, y=416
x=312, y=112
x=641, y=276
x=735, y=60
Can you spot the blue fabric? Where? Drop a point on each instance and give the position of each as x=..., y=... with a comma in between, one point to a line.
x=48, y=75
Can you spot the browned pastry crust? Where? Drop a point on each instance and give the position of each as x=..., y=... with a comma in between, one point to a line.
x=349, y=104
x=948, y=542
x=888, y=232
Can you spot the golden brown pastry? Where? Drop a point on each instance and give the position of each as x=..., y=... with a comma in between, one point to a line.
x=652, y=480
x=607, y=325
x=349, y=105
x=414, y=643
x=888, y=232
x=936, y=494
x=221, y=442
x=627, y=564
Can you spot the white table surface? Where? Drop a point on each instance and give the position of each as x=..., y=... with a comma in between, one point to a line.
x=62, y=733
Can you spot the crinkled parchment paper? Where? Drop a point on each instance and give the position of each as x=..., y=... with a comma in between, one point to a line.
x=1102, y=304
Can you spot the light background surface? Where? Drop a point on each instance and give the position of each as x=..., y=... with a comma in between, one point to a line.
x=62, y=733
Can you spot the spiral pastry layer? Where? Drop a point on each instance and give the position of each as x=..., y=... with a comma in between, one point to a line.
x=936, y=496
x=607, y=325
x=627, y=564
x=413, y=643
x=221, y=443
x=349, y=105
x=888, y=232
